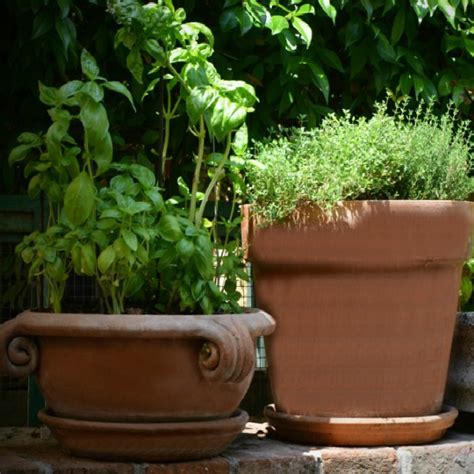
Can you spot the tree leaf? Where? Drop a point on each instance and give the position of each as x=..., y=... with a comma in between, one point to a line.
x=79, y=199
x=328, y=9
x=120, y=89
x=406, y=83
x=445, y=84
x=89, y=66
x=398, y=26
x=42, y=23
x=367, y=4
x=320, y=78
x=303, y=29
x=278, y=24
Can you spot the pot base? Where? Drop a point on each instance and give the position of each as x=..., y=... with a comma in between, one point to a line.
x=360, y=431
x=145, y=442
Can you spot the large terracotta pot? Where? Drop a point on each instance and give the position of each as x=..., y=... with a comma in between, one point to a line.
x=138, y=374
x=365, y=303
x=460, y=386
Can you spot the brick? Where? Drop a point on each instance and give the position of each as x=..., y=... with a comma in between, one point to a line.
x=251, y=455
x=50, y=459
x=453, y=455
x=359, y=460
x=12, y=463
x=204, y=466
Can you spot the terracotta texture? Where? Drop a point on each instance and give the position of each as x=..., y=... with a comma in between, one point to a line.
x=155, y=442
x=460, y=387
x=365, y=303
x=361, y=431
x=135, y=368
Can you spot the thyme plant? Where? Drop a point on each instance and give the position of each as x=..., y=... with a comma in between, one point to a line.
x=404, y=155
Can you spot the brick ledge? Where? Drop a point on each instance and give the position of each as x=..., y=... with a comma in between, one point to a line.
x=26, y=450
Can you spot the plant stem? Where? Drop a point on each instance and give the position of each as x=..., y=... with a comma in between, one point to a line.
x=197, y=169
x=214, y=180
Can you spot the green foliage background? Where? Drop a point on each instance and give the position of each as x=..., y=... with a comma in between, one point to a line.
x=305, y=57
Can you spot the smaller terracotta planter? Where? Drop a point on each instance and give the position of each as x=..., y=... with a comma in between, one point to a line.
x=460, y=386
x=138, y=387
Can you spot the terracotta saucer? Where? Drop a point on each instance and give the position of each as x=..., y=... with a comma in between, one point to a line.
x=359, y=431
x=149, y=442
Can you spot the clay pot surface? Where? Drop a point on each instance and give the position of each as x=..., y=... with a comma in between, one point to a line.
x=460, y=386
x=361, y=431
x=142, y=442
x=135, y=368
x=365, y=303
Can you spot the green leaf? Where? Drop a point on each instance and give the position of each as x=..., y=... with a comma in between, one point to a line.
x=367, y=4
x=398, y=26
x=415, y=62
x=120, y=89
x=130, y=239
x=419, y=84
x=42, y=23
x=241, y=139
x=56, y=270
x=54, y=136
x=49, y=95
x=331, y=59
x=185, y=249
x=320, y=78
x=169, y=228
x=445, y=84
x=203, y=258
x=89, y=66
x=156, y=198
x=34, y=186
x=406, y=83
x=93, y=90
x=134, y=284
x=449, y=11
x=225, y=116
x=198, y=101
x=303, y=29
x=385, y=49
x=328, y=9
x=88, y=259
x=123, y=184
x=466, y=289
x=106, y=259
x=143, y=175
x=135, y=64
x=70, y=88
x=96, y=126
x=19, y=153
x=278, y=24
x=79, y=199
x=62, y=29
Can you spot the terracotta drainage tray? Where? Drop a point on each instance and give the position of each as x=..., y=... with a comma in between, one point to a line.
x=158, y=442
x=360, y=431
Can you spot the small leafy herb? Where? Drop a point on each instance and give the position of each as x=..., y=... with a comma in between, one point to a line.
x=401, y=156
